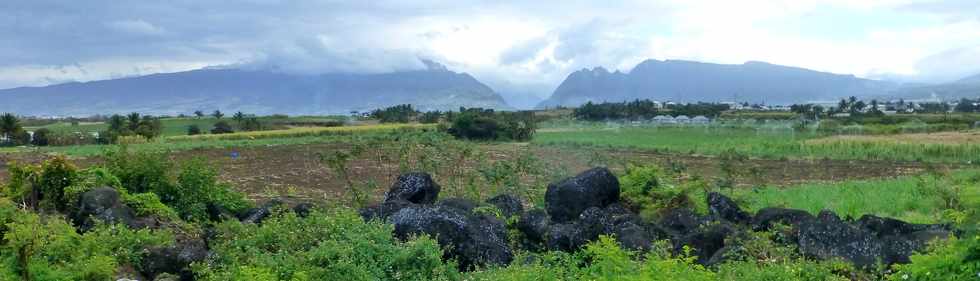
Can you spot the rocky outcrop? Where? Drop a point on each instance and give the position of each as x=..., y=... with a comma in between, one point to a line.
x=418, y=188
x=102, y=205
x=174, y=259
x=581, y=209
x=472, y=241
x=567, y=199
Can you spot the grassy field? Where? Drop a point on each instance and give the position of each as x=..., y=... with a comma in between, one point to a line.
x=763, y=143
x=292, y=136
x=178, y=126
x=911, y=198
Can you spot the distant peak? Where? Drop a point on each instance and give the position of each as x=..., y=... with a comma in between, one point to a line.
x=431, y=65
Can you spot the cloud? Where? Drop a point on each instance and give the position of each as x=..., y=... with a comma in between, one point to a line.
x=136, y=27
x=525, y=47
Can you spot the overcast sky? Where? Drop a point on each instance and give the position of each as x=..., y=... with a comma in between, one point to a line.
x=517, y=47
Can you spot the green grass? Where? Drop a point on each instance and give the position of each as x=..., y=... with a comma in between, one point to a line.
x=770, y=144
x=296, y=136
x=177, y=126
x=900, y=198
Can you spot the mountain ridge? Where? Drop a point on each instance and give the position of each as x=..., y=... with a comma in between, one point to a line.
x=254, y=91
x=691, y=81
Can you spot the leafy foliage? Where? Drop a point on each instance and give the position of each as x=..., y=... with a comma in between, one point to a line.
x=485, y=124
x=323, y=246
x=48, y=248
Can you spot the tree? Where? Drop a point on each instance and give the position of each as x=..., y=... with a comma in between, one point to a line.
x=9, y=125
x=193, y=129
x=239, y=117
x=250, y=124
x=41, y=137
x=217, y=114
x=117, y=123
x=222, y=127
x=134, y=121
x=858, y=106
x=149, y=127
x=199, y=114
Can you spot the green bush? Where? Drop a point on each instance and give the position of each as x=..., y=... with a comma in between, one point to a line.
x=332, y=246
x=645, y=189
x=955, y=259
x=49, y=248
x=189, y=192
x=139, y=172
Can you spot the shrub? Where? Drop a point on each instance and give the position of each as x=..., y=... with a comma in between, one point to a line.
x=222, y=127
x=955, y=259
x=193, y=129
x=188, y=193
x=485, y=124
x=41, y=137
x=323, y=246
x=49, y=248
x=644, y=189
x=139, y=172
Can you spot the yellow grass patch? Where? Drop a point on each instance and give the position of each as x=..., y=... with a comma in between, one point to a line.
x=300, y=132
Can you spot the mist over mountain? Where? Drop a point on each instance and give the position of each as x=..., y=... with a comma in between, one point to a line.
x=968, y=87
x=254, y=91
x=689, y=81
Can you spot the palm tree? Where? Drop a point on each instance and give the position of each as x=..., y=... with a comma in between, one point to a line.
x=117, y=123
x=199, y=114
x=9, y=125
x=217, y=114
x=239, y=117
x=134, y=121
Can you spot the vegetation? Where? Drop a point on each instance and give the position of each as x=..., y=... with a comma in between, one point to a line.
x=485, y=124
x=762, y=142
x=644, y=110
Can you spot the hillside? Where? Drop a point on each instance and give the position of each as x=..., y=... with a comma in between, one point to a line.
x=259, y=92
x=689, y=81
x=968, y=87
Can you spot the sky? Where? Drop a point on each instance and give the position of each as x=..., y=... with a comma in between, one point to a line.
x=522, y=49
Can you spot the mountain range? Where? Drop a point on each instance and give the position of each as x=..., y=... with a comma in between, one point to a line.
x=753, y=82
x=437, y=88
x=254, y=91
x=690, y=81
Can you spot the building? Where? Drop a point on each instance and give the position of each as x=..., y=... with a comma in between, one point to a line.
x=700, y=119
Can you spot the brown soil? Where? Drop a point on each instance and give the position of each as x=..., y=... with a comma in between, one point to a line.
x=295, y=172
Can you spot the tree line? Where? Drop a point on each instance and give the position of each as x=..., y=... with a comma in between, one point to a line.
x=644, y=109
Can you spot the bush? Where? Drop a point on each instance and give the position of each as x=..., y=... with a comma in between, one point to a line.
x=955, y=259
x=41, y=137
x=193, y=129
x=480, y=124
x=222, y=127
x=332, y=246
x=188, y=193
x=644, y=189
x=49, y=248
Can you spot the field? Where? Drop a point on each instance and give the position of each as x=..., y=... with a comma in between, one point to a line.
x=925, y=178
x=772, y=143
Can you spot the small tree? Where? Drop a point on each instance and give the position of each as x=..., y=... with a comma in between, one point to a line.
x=9, y=125
x=222, y=127
x=133, y=121
x=193, y=129
x=199, y=114
x=239, y=117
x=41, y=137
x=217, y=114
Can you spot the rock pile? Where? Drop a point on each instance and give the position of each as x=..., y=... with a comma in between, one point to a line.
x=581, y=208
